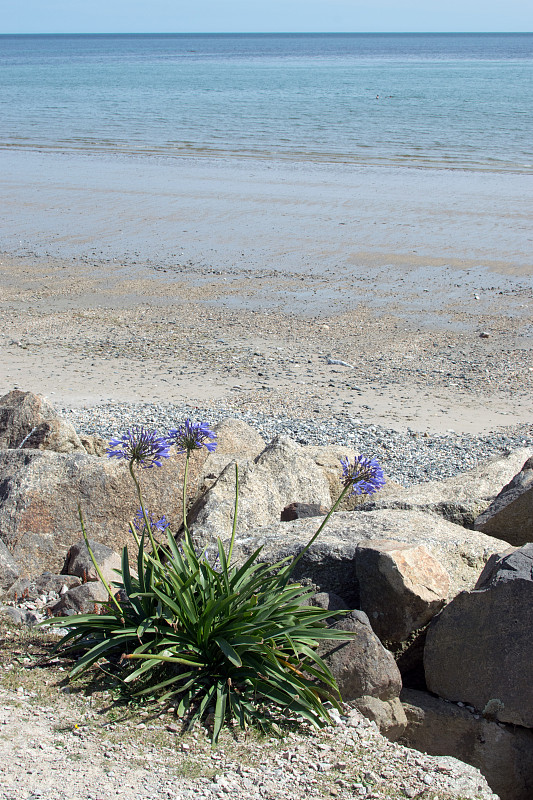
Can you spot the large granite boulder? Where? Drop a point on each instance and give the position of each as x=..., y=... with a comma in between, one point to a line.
x=510, y=515
x=459, y=499
x=28, y=421
x=9, y=569
x=40, y=492
x=280, y=475
x=236, y=441
x=330, y=564
x=503, y=753
x=479, y=649
x=401, y=587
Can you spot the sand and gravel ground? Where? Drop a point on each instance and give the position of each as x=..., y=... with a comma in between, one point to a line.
x=84, y=332
x=61, y=742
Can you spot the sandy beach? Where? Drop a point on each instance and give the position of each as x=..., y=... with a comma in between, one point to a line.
x=308, y=292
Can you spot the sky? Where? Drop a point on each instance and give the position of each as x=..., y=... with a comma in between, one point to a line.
x=205, y=16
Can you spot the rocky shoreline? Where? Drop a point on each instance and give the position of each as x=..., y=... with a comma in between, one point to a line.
x=407, y=457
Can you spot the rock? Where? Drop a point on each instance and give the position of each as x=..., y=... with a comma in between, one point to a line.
x=459, y=499
x=401, y=587
x=28, y=421
x=237, y=439
x=40, y=492
x=510, y=515
x=78, y=561
x=479, y=649
x=361, y=665
x=280, y=475
x=16, y=615
x=81, y=600
x=388, y=715
x=94, y=445
x=329, y=601
x=32, y=588
x=503, y=753
x=9, y=569
x=330, y=564
x=302, y=511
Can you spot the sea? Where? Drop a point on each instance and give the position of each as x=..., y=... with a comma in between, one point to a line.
x=452, y=101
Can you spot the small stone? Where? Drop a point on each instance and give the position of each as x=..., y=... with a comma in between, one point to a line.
x=484, y=335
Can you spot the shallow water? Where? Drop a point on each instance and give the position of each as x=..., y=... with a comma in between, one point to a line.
x=445, y=100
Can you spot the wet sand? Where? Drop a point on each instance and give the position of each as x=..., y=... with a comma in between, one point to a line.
x=233, y=284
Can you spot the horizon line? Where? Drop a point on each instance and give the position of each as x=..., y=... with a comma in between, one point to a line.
x=257, y=33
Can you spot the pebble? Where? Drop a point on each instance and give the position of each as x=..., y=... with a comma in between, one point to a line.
x=406, y=457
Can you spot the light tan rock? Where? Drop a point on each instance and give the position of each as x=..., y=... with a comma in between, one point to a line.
x=510, y=515
x=389, y=715
x=280, y=475
x=28, y=421
x=402, y=586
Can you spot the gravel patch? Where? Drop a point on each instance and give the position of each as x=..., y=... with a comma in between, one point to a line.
x=408, y=458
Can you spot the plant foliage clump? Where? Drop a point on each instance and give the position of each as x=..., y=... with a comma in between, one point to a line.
x=236, y=639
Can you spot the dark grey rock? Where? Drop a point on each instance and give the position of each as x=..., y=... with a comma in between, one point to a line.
x=479, y=649
x=503, y=753
x=302, y=511
x=361, y=665
x=84, y=599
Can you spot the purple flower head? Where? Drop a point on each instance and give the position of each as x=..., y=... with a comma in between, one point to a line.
x=140, y=446
x=159, y=525
x=365, y=476
x=192, y=436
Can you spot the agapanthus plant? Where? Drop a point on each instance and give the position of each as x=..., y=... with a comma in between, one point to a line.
x=364, y=476
x=240, y=638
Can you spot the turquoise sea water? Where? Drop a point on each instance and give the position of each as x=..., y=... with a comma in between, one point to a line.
x=426, y=100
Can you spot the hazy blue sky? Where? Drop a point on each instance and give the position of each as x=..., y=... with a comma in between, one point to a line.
x=60, y=16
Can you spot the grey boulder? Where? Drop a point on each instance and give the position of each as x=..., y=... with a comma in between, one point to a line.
x=479, y=649
x=361, y=665
x=510, y=515
x=502, y=753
